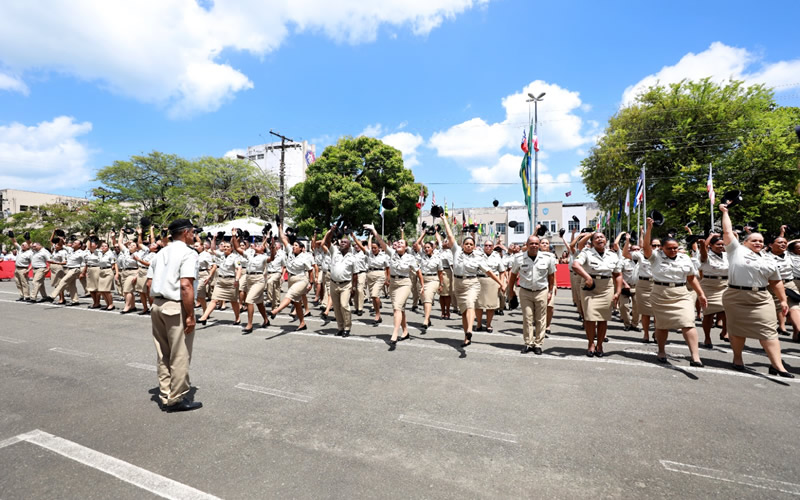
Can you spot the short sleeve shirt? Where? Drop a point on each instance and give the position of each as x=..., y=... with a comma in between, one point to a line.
x=401, y=265
x=784, y=264
x=495, y=262
x=715, y=265
x=278, y=262
x=227, y=268
x=59, y=256
x=300, y=263
x=533, y=272
x=430, y=265
x=749, y=269
x=172, y=263
x=204, y=260
x=468, y=265
x=644, y=269
x=256, y=263
x=671, y=270
x=39, y=259
x=377, y=262
x=342, y=266
x=598, y=265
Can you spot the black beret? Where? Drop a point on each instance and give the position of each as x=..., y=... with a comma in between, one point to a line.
x=179, y=224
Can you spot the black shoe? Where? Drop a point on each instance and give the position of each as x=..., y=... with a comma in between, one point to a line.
x=696, y=364
x=661, y=360
x=537, y=350
x=200, y=321
x=413, y=308
x=324, y=316
x=345, y=334
x=527, y=349
x=599, y=354
x=339, y=333
x=605, y=339
x=184, y=406
x=265, y=324
x=738, y=368
x=424, y=328
x=93, y=307
x=21, y=299
x=626, y=328
x=636, y=329
x=237, y=323
x=479, y=328
x=773, y=371
x=499, y=312
x=110, y=308
x=73, y=304
x=783, y=332
x=304, y=327
x=379, y=321
x=271, y=316
x=50, y=299
x=28, y=299
x=708, y=345
x=359, y=312
x=246, y=331
x=407, y=337
x=590, y=354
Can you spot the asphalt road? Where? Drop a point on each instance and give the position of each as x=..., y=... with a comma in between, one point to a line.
x=307, y=415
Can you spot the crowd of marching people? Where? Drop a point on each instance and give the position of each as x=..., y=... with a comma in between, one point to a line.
x=728, y=279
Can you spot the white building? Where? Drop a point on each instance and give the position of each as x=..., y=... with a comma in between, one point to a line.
x=299, y=155
x=15, y=201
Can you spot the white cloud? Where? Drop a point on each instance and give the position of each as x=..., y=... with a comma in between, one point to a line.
x=512, y=204
x=720, y=62
x=47, y=154
x=407, y=143
x=372, y=130
x=233, y=153
x=169, y=52
x=559, y=127
x=13, y=84
x=576, y=172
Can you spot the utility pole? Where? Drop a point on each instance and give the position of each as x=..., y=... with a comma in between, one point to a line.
x=282, y=147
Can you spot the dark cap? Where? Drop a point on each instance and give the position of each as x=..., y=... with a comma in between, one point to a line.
x=388, y=203
x=254, y=201
x=575, y=218
x=145, y=221
x=541, y=231
x=495, y=203
x=658, y=218
x=437, y=211
x=179, y=224
x=732, y=197
x=512, y=223
x=692, y=239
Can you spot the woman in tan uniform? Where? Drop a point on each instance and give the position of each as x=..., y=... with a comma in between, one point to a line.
x=300, y=267
x=254, y=269
x=601, y=286
x=576, y=246
x=227, y=274
x=714, y=267
x=784, y=263
x=748, y=305
x=430, y=265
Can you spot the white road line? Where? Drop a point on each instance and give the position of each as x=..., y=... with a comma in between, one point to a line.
x=11, y=341
x=70, y=352
x=142, y=366
x=462, y=429
x=274, y=392
x=142, y=478
x=10, y=441
x=730, y=477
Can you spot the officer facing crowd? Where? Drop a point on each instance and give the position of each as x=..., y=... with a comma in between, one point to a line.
x=537, y=283
x=171, y=280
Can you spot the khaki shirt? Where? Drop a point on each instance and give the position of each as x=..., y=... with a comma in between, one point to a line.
x=668, y=270
x=401, y=265
x=277, y=263
x=39, y=259
x=377, y=262
x=300, y=263
x=342, y=266
x=715, y=265
x=784, y=264
x=644, y=269
x=430, y=265
x=598, y=265
x=468, y=265
x=749, y=269
x=533, y=272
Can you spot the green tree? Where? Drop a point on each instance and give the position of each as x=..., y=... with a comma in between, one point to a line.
x=347, y=181
x=676, y=132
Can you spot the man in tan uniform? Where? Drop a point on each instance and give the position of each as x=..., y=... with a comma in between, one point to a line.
x=171, y=279
x=537, y=272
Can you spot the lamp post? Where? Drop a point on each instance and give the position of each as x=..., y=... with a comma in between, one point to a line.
x=535, y=100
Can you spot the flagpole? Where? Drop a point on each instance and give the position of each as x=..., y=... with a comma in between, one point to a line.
x=710, y=197
x=628, y=208
x=644, y=191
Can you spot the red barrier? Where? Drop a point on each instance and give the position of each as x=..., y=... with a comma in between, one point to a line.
x=7, y=270
x=562, y=276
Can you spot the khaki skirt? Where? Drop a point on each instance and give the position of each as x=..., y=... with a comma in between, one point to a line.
x=225, y=289
x=92, y=279
x=447, y=282
x=792, y=304
x=399, y=290
x=467, y=291
x=575, y=288
x=375, y=281
x=255, y=289
x=430, y=289
x=203, y=290
x=597, y=303
x=488, y=299
x=243, y=281
x=141, y=279
x=57, y=274
x=713, y=289
x=673, y=307
x=298, y=287
x=129, y=277
x=750, y=314
x=105, y=281
x=644, y=288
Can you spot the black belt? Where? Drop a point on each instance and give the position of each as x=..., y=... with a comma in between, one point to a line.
x=397, y=276
x=749, y=288
x=377, y=268
x=223, y=276
x=360, y=272
x=464, y=277
x=531, y=290
x=91, y=265
x=78, y=267
x=431, y=274
x=599, y=277
x=716, y=277
x=445, y=267
x=482, y=276
x=293, y=274
x=642, y=278
x=671, y=285
x=789, y=280
x=341, y=282
x=255, y=272
x=22, y=267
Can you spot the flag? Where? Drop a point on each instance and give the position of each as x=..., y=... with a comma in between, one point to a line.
x=445, y=209
x=628, y=202
x=421, y=196
x=525, y=175
x=433, y=198
x=619, y=212
x=524, y=144
x=639, y=196
x=380, y=204
x=536, y=143
x=568, y=194
x=710, y=186
x=463, y=219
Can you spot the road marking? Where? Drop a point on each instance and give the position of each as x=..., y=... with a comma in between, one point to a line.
x=462, y=429
x=142, y=366
x=730, y=477
x=11, y=341
x=70, y=352
x=142, y=478
x=10, y=441
x=275, y=392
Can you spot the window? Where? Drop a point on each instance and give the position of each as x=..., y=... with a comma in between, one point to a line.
x=592, y=223
x=550, y=225
x=573, y=225
x=23, y=208
x=520, y=229
x=500, y=228
x=260, y=157
x=252, y=157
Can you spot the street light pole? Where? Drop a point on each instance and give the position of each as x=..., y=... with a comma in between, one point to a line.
x=535, y=100
x=282, y=171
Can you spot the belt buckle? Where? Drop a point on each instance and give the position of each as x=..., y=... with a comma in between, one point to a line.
x=673, y=285
x=754, y=288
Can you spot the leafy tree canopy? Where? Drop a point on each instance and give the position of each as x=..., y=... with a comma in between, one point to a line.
x=676, y=132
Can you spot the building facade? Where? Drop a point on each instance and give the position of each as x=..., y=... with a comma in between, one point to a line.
x=15, y=201
x=298, y=156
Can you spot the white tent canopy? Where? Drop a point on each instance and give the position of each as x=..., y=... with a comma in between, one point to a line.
x=252, y=225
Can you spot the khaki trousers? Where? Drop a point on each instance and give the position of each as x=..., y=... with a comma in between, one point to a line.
x=21, y=280
x=414, y=290
x=629, y=309
x=57, y=272
x=69, y=283
x=38, y=283
x=361, y=291
x=534, y=315
x=173, y=350
x=340, y=295
x=273, y=289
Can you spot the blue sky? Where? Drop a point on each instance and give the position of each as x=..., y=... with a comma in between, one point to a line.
x=85, y=83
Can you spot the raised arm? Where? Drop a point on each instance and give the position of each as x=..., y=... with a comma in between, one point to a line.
x=648, y=250
x=378, y=238
x=235, y=242
x=450, y=238
x=728, y=235
x=326, y=241
x=357, y=243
